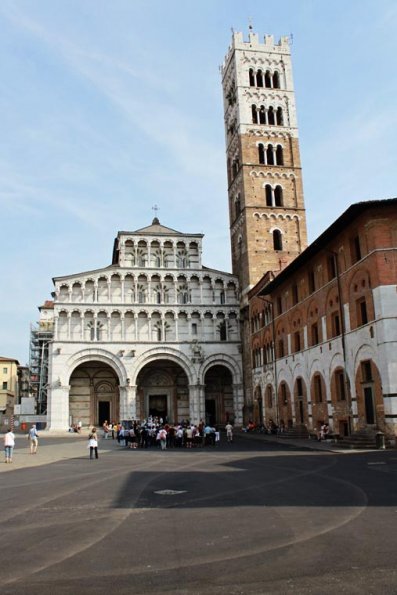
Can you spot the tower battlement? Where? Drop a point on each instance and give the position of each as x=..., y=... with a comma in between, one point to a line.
x=255, y=44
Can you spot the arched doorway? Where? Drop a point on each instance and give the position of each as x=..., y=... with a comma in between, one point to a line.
x=94, y=394
x=218, y=395
x=163, y=391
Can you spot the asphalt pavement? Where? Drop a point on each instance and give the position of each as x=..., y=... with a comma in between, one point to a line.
x=256, y=516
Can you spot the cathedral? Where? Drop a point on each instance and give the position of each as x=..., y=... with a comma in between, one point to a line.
x=155, y=333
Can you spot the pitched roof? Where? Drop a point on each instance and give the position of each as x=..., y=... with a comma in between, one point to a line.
x=155, y=228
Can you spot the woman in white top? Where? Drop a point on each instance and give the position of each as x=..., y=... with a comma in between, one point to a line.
x=9, y=443
x=93, y=443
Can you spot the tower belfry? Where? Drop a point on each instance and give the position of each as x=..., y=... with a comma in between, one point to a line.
x=266, y=205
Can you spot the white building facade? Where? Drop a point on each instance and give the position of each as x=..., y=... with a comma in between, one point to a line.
x=154, y=333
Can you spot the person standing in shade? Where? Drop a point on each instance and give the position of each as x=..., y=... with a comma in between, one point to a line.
x=9, y=443
x=93, y=444
x=33, y=439
x=229, y=432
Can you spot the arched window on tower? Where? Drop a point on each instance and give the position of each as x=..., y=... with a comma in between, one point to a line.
x=269, y=195
x=251, y=78
x=279, y=155
x=270, y=116
x=276, y=80
x=259, y=79
x=270, y=155
x=254, y=114
x=237, y=205
x=268, y=79
x=279, y=116
x=277, y=240
x=261, y=153
x=278, y=196
x=262, y=115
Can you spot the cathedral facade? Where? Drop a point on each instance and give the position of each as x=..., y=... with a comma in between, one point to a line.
x=154, y=333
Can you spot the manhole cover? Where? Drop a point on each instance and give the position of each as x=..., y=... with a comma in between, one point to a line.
x=170, y=492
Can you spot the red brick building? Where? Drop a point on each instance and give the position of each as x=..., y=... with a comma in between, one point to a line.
x=324, y=330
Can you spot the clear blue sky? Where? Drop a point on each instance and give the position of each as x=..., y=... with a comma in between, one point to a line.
x=108, y=108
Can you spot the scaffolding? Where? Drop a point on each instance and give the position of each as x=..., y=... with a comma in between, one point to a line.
x=41, y=335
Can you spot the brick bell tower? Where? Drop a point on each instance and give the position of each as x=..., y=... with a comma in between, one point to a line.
x=266, y=206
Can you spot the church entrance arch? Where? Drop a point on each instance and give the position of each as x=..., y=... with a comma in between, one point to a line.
x=94, y=394
x=163, y=391
x=218, y=395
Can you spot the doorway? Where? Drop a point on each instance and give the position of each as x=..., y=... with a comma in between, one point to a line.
x=103, y=412
x=158, y=406
x=369, y=405
x=210, y=411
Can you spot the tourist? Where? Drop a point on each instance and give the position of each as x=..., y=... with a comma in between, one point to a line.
x=33, y=438
x=93, y=444
x=229, y=432
x=9, y=443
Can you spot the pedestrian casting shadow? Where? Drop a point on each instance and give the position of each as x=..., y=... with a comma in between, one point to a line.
x=272, y=481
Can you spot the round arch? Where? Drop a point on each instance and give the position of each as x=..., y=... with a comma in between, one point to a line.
x=163, y=353
x=100, y=355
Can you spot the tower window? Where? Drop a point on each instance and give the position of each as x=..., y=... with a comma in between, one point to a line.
x=279, y=116
x=270, y=155
x=269, y=195
x=279, y=155
x=261, y=153
x=254, y=114
x=355, y=249
x=251, y=78
x=259, y=79
x=237, y=205
x=277, y=240
x=262, y=115
x=276, y=80
x=194, y=328
x=278, y=196
x=270, y=116
x=268, y=80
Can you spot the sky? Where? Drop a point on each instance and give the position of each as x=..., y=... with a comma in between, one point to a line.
x=109, y=108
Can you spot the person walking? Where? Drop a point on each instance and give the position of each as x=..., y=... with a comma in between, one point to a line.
x=229, y=432
x=9, y=443
x=33, y=438
x=93, y=444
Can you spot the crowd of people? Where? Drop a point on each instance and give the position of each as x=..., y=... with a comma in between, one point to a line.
x=155, y=432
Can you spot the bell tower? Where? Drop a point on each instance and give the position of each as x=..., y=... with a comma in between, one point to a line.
x=266, y=205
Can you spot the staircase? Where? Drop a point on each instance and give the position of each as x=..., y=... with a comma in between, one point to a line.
x=365, y=438
x=297, y=432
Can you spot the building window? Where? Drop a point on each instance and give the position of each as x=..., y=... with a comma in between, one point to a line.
x=295, y=297
x=270, y=116
x=340, y=385
x=276, y=80
x=297, y=341
x=5, y=370
x=318, y=391
x=268, y=80
x=281, y=348
x=259, y=79
x=280, y=117
x=299, y=387
x=158, y=332
x=362, y=314
x=5, y=385
x=366, y=371
x=279, y=155
x=194, y=328
x=355, y=249
x=261, y=154
x=222, y=331
x=279, y=305
x=312, y=281
x=331, y=266
x=277, y=240
x=251, y=78
x=270, y=155
x=314, y=334
x=262, y=115
x=254, y=114
x=335, y=324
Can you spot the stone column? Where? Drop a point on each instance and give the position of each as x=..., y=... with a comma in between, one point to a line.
x=238, y=403
x=196, y=408
x=58, y=407
x=122, y=291
x=128, y=402
x=69, y=325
